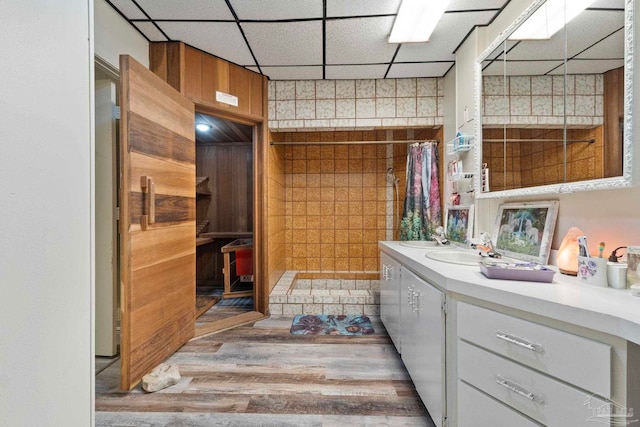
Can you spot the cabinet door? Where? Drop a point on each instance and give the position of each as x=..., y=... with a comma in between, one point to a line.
x=157, y=165
x=423, y=348
x=390, y=298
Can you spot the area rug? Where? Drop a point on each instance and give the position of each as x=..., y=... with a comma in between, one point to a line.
x=329, y=324
x=236, y=302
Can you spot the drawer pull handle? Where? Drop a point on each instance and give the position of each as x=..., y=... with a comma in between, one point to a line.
x=519, y=390
x=520, y=342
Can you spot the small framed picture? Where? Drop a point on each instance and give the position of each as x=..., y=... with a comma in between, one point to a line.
x=459, y=224
x=633, y=265
x=525, y=230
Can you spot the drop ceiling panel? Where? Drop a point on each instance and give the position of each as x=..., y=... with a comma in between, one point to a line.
x=291, y=73
x=128, y=9
x=151, y=31
x=476, y=4
x=355, y=71
x=277, y=9
x=534, y=68
x=361, y=7
x=593, y=66
x=359, y=41
x=292, y=43
x=608, y=4
x=612, y=47
x=435, y=69
x=193, y=9
x=449, y=33
x=592, y=26
x=221, y=39
x=538, y=50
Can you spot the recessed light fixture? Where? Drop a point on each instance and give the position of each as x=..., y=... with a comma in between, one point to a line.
x=203, y=127
x=416, y=20
x=549, y=18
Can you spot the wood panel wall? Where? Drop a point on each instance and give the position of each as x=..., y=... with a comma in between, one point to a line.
x=229, y=167
x=613, y=117
x=198, y=75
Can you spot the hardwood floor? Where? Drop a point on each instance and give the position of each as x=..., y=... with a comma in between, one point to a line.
x=261, y=375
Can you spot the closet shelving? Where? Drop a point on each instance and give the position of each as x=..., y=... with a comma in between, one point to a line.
x=202, y=193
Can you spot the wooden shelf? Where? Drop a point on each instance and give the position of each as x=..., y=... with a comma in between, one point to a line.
x=203, y=240
x=200, y=226
x=202, y=187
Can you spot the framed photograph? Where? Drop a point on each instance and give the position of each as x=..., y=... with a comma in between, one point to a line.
x=633, y=265
x=459, y=224
x=525, y=230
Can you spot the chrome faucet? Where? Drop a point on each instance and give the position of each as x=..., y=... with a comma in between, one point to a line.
x=485, y=247
x=440, y=236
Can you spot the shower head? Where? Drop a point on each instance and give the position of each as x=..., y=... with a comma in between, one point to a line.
x=391, y=177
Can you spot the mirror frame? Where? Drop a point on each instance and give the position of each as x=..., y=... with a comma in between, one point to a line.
x=625, y=180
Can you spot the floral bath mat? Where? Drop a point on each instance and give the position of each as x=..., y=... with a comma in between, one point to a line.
x=329, y=324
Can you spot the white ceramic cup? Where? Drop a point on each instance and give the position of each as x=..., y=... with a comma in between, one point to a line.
x=617, y=275
x=592, y=271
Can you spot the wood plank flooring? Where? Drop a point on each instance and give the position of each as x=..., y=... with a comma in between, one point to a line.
x=261, y=375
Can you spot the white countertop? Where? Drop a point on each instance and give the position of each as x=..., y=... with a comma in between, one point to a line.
x=612, y=311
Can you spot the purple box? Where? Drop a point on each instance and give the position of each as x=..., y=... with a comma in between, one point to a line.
x=527, y=271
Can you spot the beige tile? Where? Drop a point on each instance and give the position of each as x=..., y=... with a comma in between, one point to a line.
x=291, y=309
x=327, y=222
x=313, y=263
x=312, y=309
x=327, y=236
x=327, y=264
x=335, y=309
x=353, y=309
x=327, y=166
x=313, y=180
x=313, y=235
x=313, y=208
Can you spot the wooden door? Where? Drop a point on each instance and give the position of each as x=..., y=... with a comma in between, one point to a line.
x=158, y=221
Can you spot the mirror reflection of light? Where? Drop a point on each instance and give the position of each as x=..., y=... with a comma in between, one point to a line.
x=203, y=127
x=549, y=19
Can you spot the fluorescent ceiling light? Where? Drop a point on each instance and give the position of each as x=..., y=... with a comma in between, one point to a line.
x=203, y=127
x=416, y=20
x=549, y=18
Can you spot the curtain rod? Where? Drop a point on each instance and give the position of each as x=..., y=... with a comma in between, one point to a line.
x=407, y=141
x=590, y=140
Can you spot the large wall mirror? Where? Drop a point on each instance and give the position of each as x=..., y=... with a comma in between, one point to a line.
x=553, y=110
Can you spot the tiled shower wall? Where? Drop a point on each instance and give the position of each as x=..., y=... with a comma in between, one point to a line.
x=276, y=215
x=350, y=104
x=338, y=201
x=539, y=100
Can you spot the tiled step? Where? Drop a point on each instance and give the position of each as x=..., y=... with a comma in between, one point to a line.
x=293, y=296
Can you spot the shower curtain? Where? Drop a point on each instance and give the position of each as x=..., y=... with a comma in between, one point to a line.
x=421, y=213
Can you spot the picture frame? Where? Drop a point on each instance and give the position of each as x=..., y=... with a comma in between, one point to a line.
x=524, y=230
x=458, y=224
x=633, y=266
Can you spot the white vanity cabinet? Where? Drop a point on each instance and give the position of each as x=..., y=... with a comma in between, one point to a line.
x=422, y=321
x=390, y=298
x=512, y=353
x=554, y=377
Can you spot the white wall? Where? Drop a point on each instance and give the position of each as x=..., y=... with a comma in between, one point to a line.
x=612, y=216
x=114, y=36
x=46, y=146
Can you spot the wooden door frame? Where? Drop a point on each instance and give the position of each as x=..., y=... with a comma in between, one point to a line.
x=260, y=197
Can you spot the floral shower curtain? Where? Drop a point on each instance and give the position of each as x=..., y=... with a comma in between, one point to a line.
x=421, y=213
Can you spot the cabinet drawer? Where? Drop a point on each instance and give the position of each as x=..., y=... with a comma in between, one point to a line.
x=476, y=409
x=572, y=358
x=538, y=396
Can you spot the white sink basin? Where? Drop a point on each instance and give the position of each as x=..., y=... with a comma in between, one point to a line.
x=422, y=244
x=461, y=257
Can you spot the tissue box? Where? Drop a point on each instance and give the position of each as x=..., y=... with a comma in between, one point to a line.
x=530, y=271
